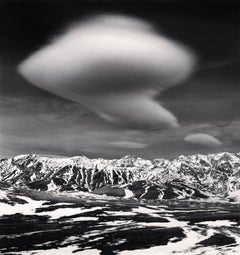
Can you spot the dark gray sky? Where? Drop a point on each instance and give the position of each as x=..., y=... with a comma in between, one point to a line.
x=33, y=120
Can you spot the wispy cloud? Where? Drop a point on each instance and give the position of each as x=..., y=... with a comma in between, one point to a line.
x=127, y=144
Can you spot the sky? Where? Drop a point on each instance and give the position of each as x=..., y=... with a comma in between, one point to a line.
x=155, y=79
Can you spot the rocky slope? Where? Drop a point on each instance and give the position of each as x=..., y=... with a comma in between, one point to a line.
x=40, y=223
x=196, y=176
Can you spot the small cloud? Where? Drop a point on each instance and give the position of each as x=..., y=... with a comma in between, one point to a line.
x=203, y=139
x=130, y=145
x=114, y=65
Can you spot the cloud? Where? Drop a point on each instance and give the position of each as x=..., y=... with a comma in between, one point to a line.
x=126, y=144
x=30, y=125
x=114, y=65
x=203, y=139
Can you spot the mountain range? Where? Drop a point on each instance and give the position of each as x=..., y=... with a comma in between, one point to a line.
x=195, y=176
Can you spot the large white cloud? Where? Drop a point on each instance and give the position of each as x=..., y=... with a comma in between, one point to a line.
x=203, y=139
x=114, y=65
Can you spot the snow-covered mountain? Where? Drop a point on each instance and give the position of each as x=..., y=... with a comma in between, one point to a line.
x=184, y=177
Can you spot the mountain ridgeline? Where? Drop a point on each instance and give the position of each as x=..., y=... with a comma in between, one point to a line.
x=196, y=176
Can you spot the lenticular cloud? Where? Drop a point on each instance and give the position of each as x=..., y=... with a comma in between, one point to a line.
x=203, y=139
x=114, y=65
